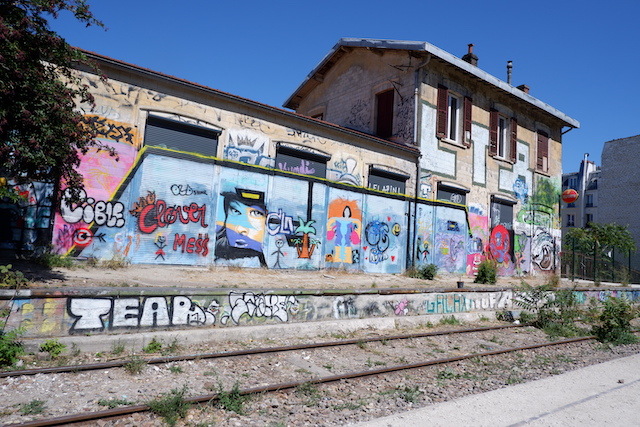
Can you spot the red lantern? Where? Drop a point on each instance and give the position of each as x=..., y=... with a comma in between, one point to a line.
x=569, y=195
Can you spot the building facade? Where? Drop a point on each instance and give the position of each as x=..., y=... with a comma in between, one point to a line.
x=619, y=176
x=585, y=209
x=485, y=145
x=398, y=155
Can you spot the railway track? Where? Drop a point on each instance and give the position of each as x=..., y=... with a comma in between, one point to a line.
x=285, y=369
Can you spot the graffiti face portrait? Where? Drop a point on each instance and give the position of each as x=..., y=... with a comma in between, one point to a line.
x=245, y=225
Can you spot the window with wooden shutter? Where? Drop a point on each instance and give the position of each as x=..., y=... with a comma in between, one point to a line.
x=441, y=117
x=467, y=121
x=384, y=118
x=542, y=157
x=493, y=132
x=513, y=146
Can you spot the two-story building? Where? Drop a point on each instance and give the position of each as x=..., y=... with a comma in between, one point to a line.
x=485, y=145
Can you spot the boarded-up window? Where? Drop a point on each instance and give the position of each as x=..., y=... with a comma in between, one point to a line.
x=181, y=136
x=387, y=181
x=452, y=194
x=384, y=116
x=302, y=162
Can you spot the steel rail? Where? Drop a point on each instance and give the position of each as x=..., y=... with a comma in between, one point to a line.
x=263, y=350
x=127, y=410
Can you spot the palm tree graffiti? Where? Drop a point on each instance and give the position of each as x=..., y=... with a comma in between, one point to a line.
x=304, y=244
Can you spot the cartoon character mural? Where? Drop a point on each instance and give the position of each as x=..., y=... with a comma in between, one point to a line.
x=241, y=232
x=478, y=225
x=344, y=227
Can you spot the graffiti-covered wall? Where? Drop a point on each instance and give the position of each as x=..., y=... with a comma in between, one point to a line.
x=148, y=310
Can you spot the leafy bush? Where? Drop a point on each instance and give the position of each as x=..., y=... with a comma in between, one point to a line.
x=425, y=272
x=487, y=273
x=11, y=279
x=154, y=346
x=10, y=347
x=53, y=347
x=49, y=259
x=614, y=322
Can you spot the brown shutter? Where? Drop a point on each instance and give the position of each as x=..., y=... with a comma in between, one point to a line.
x=513, y=152
x=543, y=151
x=441, y=117
x=466, y=137
x=493, y=133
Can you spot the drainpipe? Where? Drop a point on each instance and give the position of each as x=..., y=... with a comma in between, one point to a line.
x=416, y=114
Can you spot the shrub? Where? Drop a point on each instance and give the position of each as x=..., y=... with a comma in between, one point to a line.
x=615, y=322
x=11, y=279
x=487, y=273
x=424, y=272
x=154, y=346
x=10, y=347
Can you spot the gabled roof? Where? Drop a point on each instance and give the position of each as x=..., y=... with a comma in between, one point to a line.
x=341, y=48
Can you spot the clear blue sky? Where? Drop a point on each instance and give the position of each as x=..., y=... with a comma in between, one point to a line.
x=581, y=57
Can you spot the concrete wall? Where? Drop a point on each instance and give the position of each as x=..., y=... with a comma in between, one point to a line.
x=44, y=313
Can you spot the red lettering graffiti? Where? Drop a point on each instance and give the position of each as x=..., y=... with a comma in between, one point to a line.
x=159, y=215
x=199, y=245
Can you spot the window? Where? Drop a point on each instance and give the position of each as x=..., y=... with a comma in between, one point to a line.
x=589, y=218
x=302, y=162
x=502, y=212
x=389, y=182
x=452, y=194
x=573, y=182
x=503, y=137
x=571, y=220
x=542, y=163
x=384, y=114
x=181, y=136
x=453, y=120
x=589, y=201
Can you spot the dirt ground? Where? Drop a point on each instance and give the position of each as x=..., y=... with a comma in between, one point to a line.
x=223, y=277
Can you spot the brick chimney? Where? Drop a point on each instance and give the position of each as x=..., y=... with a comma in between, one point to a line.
x=470, y=57
x=524, y=88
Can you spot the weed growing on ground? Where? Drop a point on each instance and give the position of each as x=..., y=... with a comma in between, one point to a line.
x=116, y=263
x=154, y=346
x=232, y=400
x=173, y=348
x=114, y=403
x=53, y=347
x=175, y=369
x=117, y=348
x=449, y=320
x=34, y=407
x=310, y=392
x=135, y=365
x=171, y=406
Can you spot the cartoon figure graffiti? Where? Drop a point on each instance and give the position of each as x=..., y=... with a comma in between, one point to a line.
x=241, y=233
x=305, y=244
x=500, y=244
x=343, y=228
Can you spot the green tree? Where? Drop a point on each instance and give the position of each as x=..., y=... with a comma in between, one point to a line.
x=42, y=131
x=601, y=238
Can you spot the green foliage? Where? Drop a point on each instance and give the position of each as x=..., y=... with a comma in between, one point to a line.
x=33, y=408
x=11, y=279
x=52, y=260
x=135, y=365
x=425, y=272
x=42, y=133
x=557, y=313
x=171, y=406
x=53, y=347
x=10, y=347
x=154, y=346
x=487, y=273
x=232, y=400
x=114, y=403
x=614, y=322
x=601, y=237
x=449, y=320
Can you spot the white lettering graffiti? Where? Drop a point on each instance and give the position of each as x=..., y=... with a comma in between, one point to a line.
x=89, y=210
x=260, y=305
